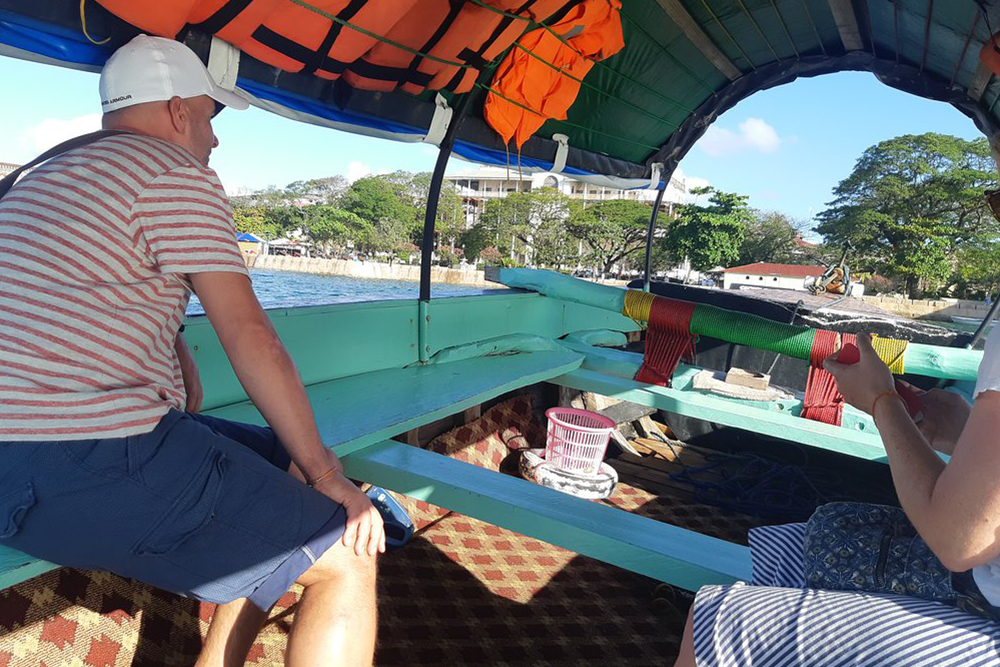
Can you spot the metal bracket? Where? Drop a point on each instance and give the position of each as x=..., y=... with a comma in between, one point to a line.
x=440, y=121
x=654, y=179
x=562, y=152
x=223, y=63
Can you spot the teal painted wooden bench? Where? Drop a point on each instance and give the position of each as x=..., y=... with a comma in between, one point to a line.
x=667, y=553
x=360, y=410
x=609, y=372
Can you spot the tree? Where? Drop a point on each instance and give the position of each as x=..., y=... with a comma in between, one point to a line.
x=504, y=224
x=376, y=200
x=770, y=237
x=911, y=203
x=318, y=190
x=254, y=220
x=979, y=267
x=612, y=229
x=531, y=225
x=449, y=223
x=709, y=236
x=491, y=256
x=330, y=227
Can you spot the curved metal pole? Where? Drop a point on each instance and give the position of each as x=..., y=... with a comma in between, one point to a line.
x=434, y=194
x=985, y=324
x=649, y=236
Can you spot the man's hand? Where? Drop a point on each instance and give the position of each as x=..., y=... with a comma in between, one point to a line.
x=863, y=382
x=189, y=371
x=365, y=530
x=945, y=415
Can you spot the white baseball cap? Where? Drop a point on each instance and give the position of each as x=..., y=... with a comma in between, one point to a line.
x=155, y=69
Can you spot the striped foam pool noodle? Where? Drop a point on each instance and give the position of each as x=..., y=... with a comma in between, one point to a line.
x=740, y=328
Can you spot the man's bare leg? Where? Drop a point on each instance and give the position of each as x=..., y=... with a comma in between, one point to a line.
x=231, y=633
x=335, y=621
x=685, y=658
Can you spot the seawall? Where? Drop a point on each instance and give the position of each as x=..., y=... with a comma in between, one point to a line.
x=929, y=309
x=358, y=269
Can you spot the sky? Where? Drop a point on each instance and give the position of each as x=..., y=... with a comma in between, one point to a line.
x=787, y=148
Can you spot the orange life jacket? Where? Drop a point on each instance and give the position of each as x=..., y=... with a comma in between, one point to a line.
x=591, y=31
x=296, y=39
x=457, y=31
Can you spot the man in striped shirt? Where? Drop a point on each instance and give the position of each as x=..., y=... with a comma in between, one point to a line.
x=104, y=462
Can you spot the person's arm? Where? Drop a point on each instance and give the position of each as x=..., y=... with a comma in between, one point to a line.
x=272, y=382
x=189, y=371
x=942, y=418
x=955, y=507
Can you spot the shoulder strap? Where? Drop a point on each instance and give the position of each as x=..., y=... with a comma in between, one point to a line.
x=76, y=142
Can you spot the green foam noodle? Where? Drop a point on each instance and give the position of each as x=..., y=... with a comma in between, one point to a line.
x=752, y=331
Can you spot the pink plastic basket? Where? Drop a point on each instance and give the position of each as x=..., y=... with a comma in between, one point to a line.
x=577, y=440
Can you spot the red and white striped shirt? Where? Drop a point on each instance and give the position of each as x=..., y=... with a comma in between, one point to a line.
x=95, y=248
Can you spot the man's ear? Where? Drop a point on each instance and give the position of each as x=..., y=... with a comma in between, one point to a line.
x=178, y=111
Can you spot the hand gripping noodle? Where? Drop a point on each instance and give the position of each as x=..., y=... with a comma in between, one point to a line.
x=823, y=403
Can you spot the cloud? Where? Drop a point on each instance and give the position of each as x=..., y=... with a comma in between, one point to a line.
x=753, y=133
x=51, y=131
x=691, y=183
x=356, y=170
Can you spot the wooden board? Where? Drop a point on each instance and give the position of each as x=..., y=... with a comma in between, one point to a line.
x=667, y=553
x=364, y=409
x=729, y=412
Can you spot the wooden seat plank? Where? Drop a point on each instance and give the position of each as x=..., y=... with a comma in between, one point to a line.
x=730, y=412
x=667, y=553
x=360, y=410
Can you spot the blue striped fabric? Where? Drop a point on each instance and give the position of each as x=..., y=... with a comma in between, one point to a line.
x=776, y=555
x=777, y=623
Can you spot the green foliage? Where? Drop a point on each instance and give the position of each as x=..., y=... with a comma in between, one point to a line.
x=769, y=237
x=979, y=266
x=530, y=225
x=911, y=204
x=476, y=240
x=378, y=200
x=330, y=228
x=254, y=220
x=318, y=190
x=612, y=229
x=712, y=235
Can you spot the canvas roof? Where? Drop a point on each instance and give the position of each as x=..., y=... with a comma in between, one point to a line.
x=684, y=63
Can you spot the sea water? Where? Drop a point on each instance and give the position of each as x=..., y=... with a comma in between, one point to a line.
x=286, y=289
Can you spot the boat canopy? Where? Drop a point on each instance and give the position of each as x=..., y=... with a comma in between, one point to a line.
x=394, y=68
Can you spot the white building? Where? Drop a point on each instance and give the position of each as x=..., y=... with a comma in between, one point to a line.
x=7, y=167
x=478, y=185
x=765, y=274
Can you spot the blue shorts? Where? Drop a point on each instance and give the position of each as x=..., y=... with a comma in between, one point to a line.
x=200, y=506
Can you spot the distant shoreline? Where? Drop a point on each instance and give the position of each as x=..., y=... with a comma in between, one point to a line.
x=364, y=269
x=377, y=270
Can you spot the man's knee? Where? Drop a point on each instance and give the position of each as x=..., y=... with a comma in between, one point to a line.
x=340, y=562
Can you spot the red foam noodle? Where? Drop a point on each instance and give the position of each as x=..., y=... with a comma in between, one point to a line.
x=822, y=401
x=668, y=339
